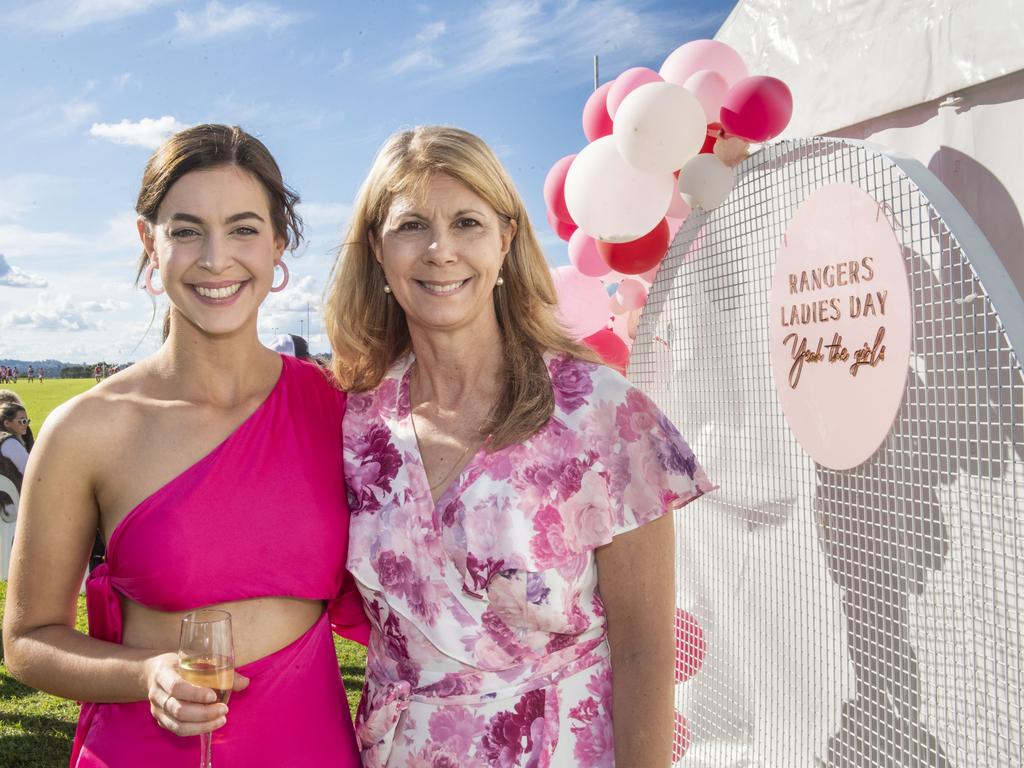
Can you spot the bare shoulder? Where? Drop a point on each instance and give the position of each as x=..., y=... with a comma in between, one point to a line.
x=112, y=408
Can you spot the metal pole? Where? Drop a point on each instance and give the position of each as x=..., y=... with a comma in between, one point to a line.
x=595, y=72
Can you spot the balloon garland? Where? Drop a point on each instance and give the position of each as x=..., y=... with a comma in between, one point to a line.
x=659, y=144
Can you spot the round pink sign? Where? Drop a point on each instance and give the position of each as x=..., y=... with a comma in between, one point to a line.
x=840, y=326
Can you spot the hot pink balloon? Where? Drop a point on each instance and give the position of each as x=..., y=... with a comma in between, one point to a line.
x=757, y=108
x=584, y=256
x=610, y=348
x=626, y=83
x=696, y=55
x=710, y=88
x=554, y=189
x=563, y=229
x=596, y=120
x=582, y=302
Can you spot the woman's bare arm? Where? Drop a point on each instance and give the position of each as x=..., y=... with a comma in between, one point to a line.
x=57, y=523
x=636, y=576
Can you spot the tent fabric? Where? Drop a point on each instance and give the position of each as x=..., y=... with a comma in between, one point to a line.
x=857, y=59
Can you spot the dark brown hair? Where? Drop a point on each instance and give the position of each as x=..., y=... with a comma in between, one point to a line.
x=210, y=146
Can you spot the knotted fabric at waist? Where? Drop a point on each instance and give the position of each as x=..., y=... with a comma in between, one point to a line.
x=384, y=701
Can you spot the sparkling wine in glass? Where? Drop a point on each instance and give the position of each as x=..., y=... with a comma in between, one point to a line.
x=206, y=657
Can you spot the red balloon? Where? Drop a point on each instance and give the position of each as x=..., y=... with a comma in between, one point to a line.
x=757, y=108
x=563, y=229
x=554, y=189
x=690, y=646
x=610, y=347
x=636, y=256
x=596, y=120
x=681, y=738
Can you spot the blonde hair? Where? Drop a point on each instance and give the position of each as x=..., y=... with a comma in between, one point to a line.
x=367, y=328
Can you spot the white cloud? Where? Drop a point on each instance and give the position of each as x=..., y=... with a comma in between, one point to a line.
x=50, y=314
x=218, y=19
x=107, y=305
x=295, y=298
x=331, y=217
x=431, y=32
x=13, y=277
x=345, y=61
x=69, y=15
x=421, y=59
x=505, y=34
x=147, y=132
x=20, y=242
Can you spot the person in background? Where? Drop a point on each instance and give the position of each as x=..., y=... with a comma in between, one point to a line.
x=511, y=497
x=189, y=495
x=7, y=397
x=14, y=427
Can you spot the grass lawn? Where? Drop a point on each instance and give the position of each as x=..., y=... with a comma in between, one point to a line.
x=36, y=729
x=40, y=399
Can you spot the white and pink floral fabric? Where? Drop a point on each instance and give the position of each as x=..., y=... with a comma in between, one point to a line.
x=488, y=644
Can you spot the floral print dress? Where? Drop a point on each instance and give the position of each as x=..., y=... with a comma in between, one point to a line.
x=488, y=644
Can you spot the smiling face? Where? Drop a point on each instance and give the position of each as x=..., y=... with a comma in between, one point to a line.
x=16, y=426
x=215, y=247
x=441, y=255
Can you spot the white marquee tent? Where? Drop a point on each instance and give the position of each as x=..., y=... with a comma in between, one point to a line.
x=941, y=81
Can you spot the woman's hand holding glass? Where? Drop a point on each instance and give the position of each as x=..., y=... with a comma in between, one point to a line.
x=179, y=706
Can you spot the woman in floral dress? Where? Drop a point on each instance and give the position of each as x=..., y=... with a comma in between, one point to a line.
x=508, y=492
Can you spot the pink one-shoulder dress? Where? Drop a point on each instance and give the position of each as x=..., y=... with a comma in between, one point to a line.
x=262, y=515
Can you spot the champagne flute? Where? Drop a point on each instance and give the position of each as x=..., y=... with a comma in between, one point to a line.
x=206, y=657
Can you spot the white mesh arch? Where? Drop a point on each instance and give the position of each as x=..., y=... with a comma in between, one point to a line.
x=861, y=618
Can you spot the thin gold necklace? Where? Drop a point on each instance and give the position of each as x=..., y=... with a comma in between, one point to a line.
x=455, y=466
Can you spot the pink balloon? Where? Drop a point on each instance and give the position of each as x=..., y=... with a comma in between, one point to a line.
x=681, y=738
x=615, y=307
x=757, y=108
x=710, y=88
x=596, y=120
x=620, y=326
x=696, y=55
x=674, y=225
x=626, y=83
x=631, y=294
x=691, y=647
x=678, y=208
x=582, y=302
x=584, y=256
x=554, y=189
x=563, y=229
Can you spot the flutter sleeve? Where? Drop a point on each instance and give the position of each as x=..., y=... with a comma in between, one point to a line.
x=649, y=469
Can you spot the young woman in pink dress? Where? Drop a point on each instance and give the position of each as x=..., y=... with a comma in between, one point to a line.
x=217, y=483
x=509, y=494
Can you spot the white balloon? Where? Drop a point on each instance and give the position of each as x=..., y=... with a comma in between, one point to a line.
x=709, y=88
x=659, y=126
x=611, y=200
x=705, y=182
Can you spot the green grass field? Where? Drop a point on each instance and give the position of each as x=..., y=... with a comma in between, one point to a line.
x=40, y=399
x=36, y=729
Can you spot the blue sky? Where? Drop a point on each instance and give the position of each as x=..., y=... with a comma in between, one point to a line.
x=88, y=87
